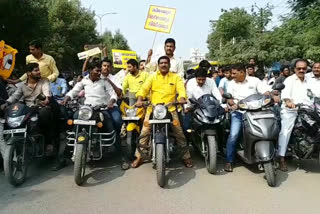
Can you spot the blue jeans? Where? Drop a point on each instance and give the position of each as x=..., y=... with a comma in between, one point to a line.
x=186, y=121
x=235, y=131
x=115, y=117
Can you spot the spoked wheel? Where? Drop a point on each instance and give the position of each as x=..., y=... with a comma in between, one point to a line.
x=15, y=163
x=270, y=172
x=160, y=164
x=80, y=162
x=211, y=154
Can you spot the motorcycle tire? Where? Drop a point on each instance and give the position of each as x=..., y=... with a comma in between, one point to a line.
x=130, y=144
x=211, y=157
x=160, y=164
x=10, y=166
x=80, y=162
x=270, y=173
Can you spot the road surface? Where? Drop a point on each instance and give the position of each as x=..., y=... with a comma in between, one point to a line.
x=108, y=189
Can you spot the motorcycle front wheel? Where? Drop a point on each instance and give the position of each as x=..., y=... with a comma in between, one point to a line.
x=160, y=164
x=15, y=163
x=270, y=173
x=211, y=154
x=80, y=162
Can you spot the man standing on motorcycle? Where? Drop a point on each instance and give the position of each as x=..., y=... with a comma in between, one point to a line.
x=32, y=89
x=47, y=64
x=241, y=87
x=295, y=92
x=98, y=92
x=163, y=87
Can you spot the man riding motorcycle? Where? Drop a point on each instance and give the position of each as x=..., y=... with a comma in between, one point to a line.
x=99, y=92
x=295, y=92
x=163, y=87
x=242, y=87
x=198, y=86
x=31, y=90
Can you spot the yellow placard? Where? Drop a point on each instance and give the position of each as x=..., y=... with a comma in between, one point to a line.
x=7, y=60
x=160, y=19
x=120, y=57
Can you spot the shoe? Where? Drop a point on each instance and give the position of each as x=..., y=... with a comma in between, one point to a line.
x=136, y=163
x=228, y=167
x=188, y=163
x=283, y=165
x=125, y=165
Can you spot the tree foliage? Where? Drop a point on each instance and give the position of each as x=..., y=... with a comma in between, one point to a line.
x=297, y=37
x=63, y=26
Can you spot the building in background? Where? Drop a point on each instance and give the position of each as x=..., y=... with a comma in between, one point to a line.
x=196, y=56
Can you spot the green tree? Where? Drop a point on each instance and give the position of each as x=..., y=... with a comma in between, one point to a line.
x=114, y=41
x=21, y=22
x=71, y=27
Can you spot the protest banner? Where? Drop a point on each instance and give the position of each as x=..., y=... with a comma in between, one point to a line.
x=120, y=57
x=7, y=60
x=160, y=19
x=88, y=53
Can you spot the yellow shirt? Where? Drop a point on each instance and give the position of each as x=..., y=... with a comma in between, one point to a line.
x=163, y=88
x=47, y=66
x=134, y=83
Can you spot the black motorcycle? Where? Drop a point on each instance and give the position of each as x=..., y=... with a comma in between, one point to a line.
x=207, y=116
x=305, y=143
x=162, y=143
x=89, y=138
x=24, y=141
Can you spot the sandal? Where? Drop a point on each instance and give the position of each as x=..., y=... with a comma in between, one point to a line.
x=136, y=163
x=188, y=163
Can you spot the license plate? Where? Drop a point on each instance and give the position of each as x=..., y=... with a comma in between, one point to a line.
x=159, y=121
x=13, y=131
x=85, y=122
x=130, y=118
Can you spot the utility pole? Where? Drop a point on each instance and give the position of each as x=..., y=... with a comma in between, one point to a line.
x=100, y=19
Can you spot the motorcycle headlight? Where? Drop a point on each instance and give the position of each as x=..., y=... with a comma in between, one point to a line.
x=85, y=113
x=159, y=112
x=254, y=105
x=131, y=112
x=15, y=121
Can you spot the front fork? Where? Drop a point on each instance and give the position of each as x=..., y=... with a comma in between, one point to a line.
x=154, y=144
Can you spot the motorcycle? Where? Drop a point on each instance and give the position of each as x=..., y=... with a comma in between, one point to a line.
x=260, y=132
x=24, y=141
x=305, y=142
x=88, y=138
x=133, y=119
x=206, y=119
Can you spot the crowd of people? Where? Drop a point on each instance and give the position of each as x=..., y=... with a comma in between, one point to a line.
x=163, y=81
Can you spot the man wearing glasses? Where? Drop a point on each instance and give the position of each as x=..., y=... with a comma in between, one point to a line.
x=295, y=92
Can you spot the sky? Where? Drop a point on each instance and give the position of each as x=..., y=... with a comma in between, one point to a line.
x=191, y=25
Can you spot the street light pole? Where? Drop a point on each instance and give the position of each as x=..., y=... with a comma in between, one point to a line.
x=100, y=19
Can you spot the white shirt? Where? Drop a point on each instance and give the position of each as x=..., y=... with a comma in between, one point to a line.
x=224, y=84
x=241, y=90
x=296, y=90
x=209, y=87
x=176, y=66
x=96, y=93
x=113, y=79
x=314, y=83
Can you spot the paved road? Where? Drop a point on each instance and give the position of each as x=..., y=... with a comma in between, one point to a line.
x=108, y=189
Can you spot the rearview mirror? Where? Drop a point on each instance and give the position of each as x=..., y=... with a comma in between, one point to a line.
x=227, y=96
